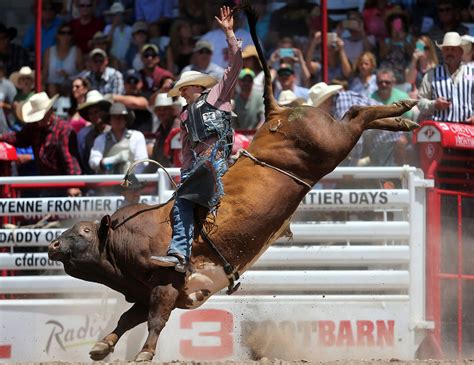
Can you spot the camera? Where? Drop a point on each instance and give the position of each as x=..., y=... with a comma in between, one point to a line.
x=286, y=53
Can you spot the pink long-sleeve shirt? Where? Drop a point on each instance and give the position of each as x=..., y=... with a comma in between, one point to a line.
x=219, y=96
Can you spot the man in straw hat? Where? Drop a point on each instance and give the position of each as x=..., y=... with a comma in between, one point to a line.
x=206, y=135
x=95, y=110
x=53, y=140
x=446, y=92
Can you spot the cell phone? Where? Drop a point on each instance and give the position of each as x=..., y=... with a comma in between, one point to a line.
x=332, y=37
x=420, y=46
x=287, y=53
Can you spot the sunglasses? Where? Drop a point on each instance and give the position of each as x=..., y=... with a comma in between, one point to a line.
x=204, y=51
x=98, y=60
x=149, y=55
x=384, y=82
x=77, y=86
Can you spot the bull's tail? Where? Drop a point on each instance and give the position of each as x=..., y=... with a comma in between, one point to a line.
x=268, y=99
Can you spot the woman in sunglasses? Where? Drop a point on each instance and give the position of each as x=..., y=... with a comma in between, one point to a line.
x=63, y=60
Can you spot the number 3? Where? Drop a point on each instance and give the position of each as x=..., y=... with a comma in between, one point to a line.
x=226, y=321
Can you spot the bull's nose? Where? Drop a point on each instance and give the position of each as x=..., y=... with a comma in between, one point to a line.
x=53, y=248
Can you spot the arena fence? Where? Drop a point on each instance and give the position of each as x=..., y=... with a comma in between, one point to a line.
x=350, y=284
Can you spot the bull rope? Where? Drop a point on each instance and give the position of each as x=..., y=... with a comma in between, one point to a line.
x=246, y=153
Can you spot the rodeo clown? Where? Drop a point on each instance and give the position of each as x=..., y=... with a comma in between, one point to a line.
x=207, y=142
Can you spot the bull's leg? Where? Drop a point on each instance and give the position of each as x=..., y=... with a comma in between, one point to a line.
x=162, y=302
x=365, y=116
x=137, y=314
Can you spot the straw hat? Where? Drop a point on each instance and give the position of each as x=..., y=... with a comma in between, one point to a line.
x=25, y=71
x=452, y=39
x=287, y=97
x=320, y=92
x=36, y=107
x=193, y=78
x=162, y=99
x=249, y=51
x=93, y=97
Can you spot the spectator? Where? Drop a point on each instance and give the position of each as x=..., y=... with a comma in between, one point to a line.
x=106, y=80
x=338, y=62
x=151, y=11
x=365, y=81
x=358, y=41
x=13, y=55
x=115, y=150
x=289, y=21
x=131, y=193
x=197, y=14
x=469, y=49
x=152, y=74
x=287, y=80
x=63, y=60
x=49, y=27
x=374, y=14
x=386, y=93
x=251, y=61
x=7, y=97
x=335, y=101
x=101, y=40
x=95, y=110
x=119, y=34
x=449, y=15
x=80, y=87
x=86, y=25
x=264, y=16
x=248, y=102
x=181, y=46
x=136, y=102
x=446, y=92
x=53, y=140
x=167, y=113
x=201, y=61
x=424, y=58
x=24, y=81
x=140, y=37
x=397, y=48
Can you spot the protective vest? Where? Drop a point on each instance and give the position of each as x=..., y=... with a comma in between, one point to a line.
x=460, y=94
x=205, y=120
x=112, y=148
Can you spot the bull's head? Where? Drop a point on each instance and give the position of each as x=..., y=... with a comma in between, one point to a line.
x=81, y=243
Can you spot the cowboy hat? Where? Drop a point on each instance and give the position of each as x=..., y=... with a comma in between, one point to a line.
x=320, y=92
x=118, y=108
x=93, y=97
x=193, y=78
x=25, y=71
x=162, y=99
x=116, y=8
x=452, y=39
x=249, y=51
x=287, y=97
x=36, y=107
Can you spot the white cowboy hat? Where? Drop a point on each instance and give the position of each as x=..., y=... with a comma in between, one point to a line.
x=93, y=97
x=194, y=78
x=37, y=106
x=116, y=8
x=287, y=97
x=162, y=99
x=25, y=71
x=452, y=39
x=320, y=92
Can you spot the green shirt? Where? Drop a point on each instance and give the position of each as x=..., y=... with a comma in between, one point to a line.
x=396, y=95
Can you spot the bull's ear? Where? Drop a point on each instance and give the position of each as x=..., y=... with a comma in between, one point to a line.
x=104, y=230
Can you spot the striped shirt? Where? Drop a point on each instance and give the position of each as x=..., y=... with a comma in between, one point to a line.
x=458, y=88
x=54, y=148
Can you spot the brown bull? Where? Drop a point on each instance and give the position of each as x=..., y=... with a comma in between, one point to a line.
x=300, y=144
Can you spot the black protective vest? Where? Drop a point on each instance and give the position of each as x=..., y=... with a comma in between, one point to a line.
x=205, y=120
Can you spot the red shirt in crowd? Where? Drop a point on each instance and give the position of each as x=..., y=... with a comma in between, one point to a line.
x=83, y=33
x=55, y=147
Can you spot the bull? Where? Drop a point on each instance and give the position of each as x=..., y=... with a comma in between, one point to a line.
x=294, y=149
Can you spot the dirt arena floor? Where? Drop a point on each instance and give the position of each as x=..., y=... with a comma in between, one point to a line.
x=270, y=362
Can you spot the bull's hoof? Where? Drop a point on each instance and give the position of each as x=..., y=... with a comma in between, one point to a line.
x=144, y=356
x=100, y=350
x=407, y=124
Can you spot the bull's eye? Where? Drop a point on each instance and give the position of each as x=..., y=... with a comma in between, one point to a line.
x=87, y=230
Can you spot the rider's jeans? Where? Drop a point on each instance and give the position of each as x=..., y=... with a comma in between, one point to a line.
x=183, y=228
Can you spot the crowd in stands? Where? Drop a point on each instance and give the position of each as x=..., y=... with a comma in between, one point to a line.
x=107, y=68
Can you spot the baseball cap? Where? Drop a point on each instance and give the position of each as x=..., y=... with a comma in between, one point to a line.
x=200, y=45
x=132, y=74
x=140, y=26
x=148, y=46
x=246, y=72
x=285, y=70
x=96, y=52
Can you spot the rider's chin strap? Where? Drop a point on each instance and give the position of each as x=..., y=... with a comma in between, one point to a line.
x=246, y=153
x=231, y=273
